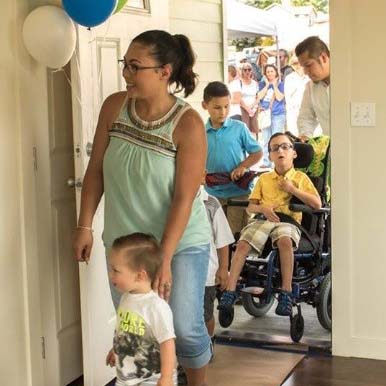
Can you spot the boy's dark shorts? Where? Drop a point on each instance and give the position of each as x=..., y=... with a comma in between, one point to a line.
x=210, y=295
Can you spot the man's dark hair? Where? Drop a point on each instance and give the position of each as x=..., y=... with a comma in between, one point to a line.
x=278, y=135
x=314, y=46
x=141, y=251
x=215, y=90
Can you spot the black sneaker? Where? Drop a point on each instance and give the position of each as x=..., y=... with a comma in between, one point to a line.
x=284, y=305
x=228, y=299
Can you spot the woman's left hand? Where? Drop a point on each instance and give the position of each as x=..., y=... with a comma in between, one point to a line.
x=163, y=282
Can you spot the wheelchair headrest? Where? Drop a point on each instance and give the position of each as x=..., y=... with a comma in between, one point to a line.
x=305, y=154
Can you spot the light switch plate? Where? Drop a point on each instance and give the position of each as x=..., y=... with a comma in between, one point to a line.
x=362, y=114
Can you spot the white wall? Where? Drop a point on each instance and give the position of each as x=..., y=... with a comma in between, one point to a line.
x=359, y=182
x=23, y=108
x=201, y=21
x=11, y=272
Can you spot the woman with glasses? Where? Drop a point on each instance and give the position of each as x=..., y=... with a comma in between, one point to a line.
x=148, y=159
x=249, y=100
x=272, y=106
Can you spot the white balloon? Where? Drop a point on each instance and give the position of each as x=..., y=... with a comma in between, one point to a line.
x=49, y=36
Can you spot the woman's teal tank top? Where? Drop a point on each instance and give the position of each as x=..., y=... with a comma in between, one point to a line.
x=139, y=177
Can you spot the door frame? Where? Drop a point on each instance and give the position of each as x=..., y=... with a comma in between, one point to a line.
x=36, y=231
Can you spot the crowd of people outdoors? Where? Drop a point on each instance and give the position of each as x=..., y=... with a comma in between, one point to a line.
x=272, y=96
x=152, y=152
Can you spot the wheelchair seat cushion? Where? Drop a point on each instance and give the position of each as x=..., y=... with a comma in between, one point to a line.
x=305, y=245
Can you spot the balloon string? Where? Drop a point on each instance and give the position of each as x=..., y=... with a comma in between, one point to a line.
x=85, y=110
x=77, y=63
x=104, y=39
x=69, y=82
x=93, y=39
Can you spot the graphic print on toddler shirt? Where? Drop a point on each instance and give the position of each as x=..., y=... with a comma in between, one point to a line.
x=137, y=350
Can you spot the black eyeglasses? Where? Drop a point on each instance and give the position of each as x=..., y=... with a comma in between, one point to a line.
x=247, y=69
x=283, y=146
x=134, y=68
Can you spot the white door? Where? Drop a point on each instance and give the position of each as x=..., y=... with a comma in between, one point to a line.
x=58, y=273
x=95, y=75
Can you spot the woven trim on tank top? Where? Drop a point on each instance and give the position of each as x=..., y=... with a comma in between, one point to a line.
x=170, y=115
x=143, y=139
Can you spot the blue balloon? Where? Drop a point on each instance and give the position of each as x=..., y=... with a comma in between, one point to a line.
x=89, y=13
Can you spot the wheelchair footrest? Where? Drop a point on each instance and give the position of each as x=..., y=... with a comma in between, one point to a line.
x=254, y=291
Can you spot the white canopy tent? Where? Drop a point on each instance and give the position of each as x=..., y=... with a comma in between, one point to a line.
x=290, y=30
x=246, y=21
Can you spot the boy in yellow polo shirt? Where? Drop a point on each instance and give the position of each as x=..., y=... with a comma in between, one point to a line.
x=272, y=193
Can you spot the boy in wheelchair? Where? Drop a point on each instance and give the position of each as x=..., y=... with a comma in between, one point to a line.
x=269, y=203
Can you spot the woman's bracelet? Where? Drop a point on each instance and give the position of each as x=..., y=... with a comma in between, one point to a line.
x=87, y=228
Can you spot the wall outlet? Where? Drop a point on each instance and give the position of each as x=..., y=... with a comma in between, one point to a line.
x=362, y=114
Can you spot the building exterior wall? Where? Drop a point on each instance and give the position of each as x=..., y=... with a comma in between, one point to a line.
x=22, y=85
x=358, y=179
x=202, y=22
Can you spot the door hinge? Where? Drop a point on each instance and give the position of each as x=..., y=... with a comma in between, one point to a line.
x=43, y=343
x=35, y=157
x=77, y=150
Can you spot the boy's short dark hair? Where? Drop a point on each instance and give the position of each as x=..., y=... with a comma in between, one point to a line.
x=215, y=90
x=142, y=251
x=278, y=135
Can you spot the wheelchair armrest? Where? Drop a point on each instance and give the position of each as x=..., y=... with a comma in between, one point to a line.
x=307, y=209
x=243, y=203
x=322, y=210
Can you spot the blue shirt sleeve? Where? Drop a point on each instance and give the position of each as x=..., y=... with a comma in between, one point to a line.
x=249, y=143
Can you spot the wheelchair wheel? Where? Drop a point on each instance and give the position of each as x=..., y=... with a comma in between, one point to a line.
x=225, y=317
x=297, y=327
x=324, y=308
x=253, y=306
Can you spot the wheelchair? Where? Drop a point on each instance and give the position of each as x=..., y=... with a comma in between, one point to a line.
x=260, y=279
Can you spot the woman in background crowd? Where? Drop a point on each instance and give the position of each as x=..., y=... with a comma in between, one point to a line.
x=249, y=99
x=271, y=96
x=294, y=86
x=234, y=86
